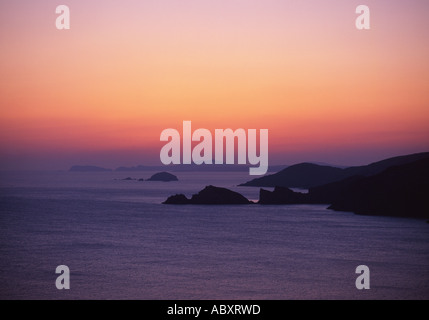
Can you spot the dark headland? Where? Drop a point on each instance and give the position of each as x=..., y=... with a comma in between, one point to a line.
x=308, y=175
x=401, y=190
x=393, y=187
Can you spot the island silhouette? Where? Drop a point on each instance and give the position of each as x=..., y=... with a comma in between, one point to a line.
x=210, y=195
x=393, y=187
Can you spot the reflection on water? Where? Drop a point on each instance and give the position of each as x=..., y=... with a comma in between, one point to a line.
x=120, y=242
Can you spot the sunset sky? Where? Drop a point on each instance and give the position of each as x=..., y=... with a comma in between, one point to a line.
x=102, y=92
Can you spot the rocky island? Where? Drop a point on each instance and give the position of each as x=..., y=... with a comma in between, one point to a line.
x=210, y=195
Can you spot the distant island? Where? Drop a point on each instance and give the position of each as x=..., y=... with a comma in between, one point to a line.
x=400, y=190
x=163, y=176
x=88, y=169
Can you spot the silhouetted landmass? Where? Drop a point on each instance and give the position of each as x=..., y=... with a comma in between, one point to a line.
x=129, y=179
x=300, y=175
x=401, y=190
x=308, y=175
x=88, y=169
x=398, y=191
x=282, y=195
x=163, y=176
x=210, y=195
x=379, y=166
x=330, y=192
x=177, y=199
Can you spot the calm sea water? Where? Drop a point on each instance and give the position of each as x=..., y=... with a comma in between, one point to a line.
x=120, y=242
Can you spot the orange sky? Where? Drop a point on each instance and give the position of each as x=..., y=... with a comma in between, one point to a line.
x=102, y=92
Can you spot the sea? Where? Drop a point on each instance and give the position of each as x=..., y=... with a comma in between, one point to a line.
x=120, y=242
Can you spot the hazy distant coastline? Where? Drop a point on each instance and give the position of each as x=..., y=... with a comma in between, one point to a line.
x=174, y=168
